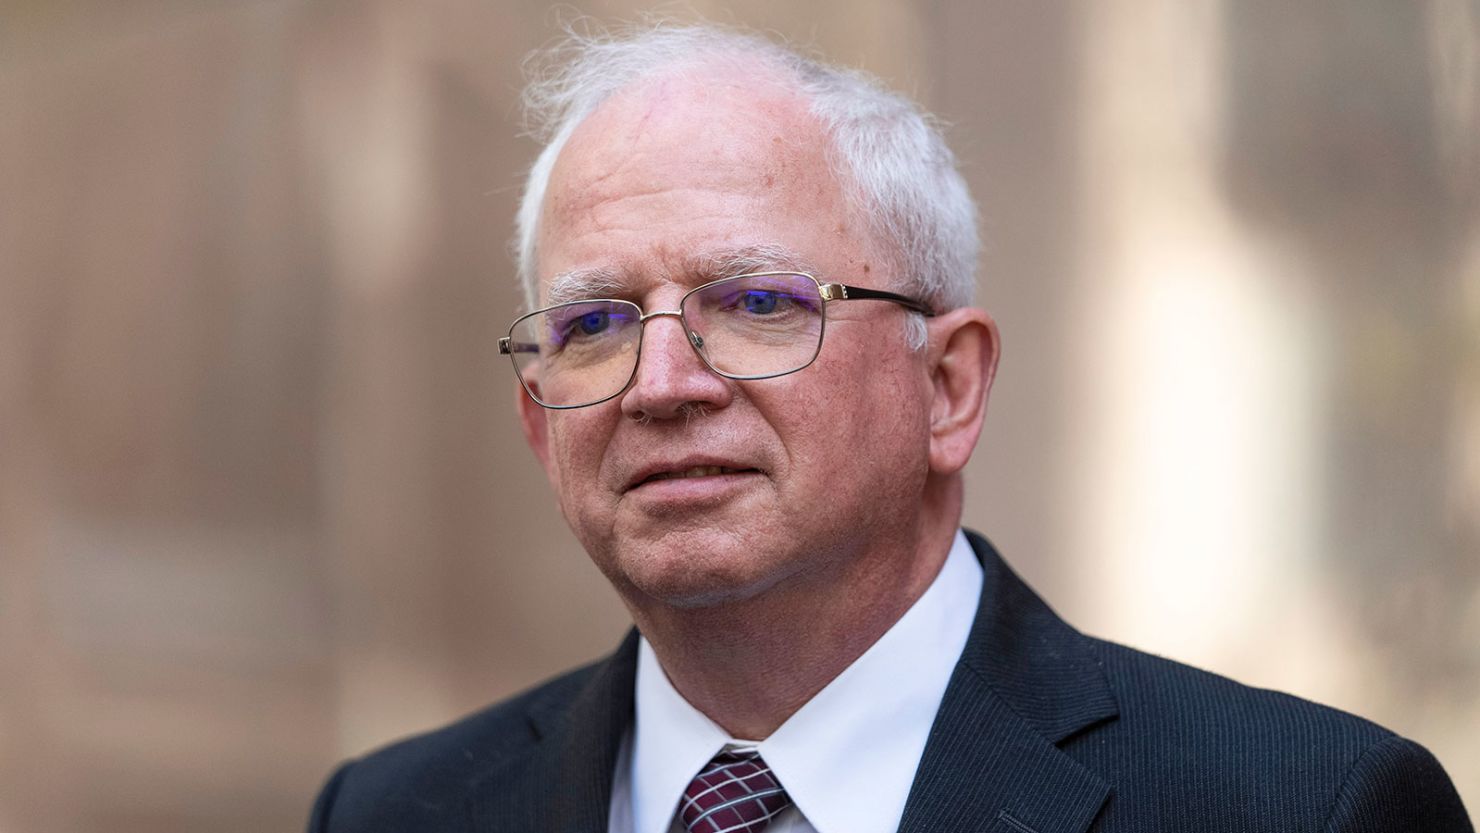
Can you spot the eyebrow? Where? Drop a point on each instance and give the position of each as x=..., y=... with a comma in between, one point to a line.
x=583, y=284
x=763, y=257
x=605, y=282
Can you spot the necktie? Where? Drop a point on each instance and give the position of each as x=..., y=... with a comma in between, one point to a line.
x=735, y=793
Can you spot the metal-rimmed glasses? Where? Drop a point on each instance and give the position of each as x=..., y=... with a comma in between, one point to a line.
x=753, y=326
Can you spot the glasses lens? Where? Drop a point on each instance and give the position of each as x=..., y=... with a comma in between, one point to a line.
x=576, y=354
x=756, y=326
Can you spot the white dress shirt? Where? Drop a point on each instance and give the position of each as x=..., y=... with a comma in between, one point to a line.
x=847, y=757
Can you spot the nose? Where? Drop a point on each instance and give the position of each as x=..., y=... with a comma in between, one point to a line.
x=671, y=378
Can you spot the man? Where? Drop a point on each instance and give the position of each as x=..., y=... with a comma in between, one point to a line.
x=753, y=377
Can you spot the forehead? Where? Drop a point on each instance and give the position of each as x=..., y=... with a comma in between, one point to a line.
x=649, y=134
x=689, y=163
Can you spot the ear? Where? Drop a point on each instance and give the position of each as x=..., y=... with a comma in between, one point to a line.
x=536, y=424
x=963, y=350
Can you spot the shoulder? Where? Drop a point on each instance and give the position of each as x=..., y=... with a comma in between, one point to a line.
x=1155, y=690
x=1184, y=749
x=1186, y=740
x=422, y=782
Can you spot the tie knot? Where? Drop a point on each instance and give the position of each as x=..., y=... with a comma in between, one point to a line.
x=735, y=793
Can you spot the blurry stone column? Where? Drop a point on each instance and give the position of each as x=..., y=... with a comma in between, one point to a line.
x=1355, y=143
x=33, y=798
x=366, y=128
x=1197, y=492
x=1004, y=78
x=159, y=631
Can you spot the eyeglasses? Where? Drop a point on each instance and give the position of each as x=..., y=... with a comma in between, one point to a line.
x=755, y=326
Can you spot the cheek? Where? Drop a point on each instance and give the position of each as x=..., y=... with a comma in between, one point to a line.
x=867, y=433
x=576, y=449
x=874, y=383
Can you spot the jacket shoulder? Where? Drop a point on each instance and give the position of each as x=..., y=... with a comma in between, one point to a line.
x=421, y=782
x=1187, y=739
x=1170, y=692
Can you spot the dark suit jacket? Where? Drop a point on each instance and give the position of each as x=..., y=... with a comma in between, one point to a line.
x=1041, y=729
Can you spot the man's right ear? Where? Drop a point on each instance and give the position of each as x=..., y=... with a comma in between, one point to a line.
x=534, y=419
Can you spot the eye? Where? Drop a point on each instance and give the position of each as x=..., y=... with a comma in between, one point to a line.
x=584, y=325
x=593, y=322
x=760, y=302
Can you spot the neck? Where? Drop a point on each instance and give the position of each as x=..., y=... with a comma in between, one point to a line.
x=749, y=665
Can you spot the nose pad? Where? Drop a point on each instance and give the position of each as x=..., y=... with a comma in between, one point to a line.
x=696, y=340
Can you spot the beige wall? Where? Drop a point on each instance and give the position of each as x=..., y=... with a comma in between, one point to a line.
x=263, y=503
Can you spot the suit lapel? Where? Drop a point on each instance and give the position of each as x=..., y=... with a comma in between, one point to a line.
x=1025, y=683
x=565, y=785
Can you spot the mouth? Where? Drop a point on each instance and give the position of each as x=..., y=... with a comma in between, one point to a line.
x=688, y=473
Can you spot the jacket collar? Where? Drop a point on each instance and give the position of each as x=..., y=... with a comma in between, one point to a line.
x=585, y=749
x=1041, y=667
x=565, y=784
x=1025, y=683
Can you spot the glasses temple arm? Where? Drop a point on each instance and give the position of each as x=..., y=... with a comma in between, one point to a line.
x=843, y=292
x=507, y=346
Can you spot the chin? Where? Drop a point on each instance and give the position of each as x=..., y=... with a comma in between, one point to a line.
x=691, y=575
x=709, y=595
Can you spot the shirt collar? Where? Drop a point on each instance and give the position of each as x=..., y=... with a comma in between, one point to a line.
x=848, y=756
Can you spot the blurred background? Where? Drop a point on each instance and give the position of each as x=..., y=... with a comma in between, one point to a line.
x=263, y=499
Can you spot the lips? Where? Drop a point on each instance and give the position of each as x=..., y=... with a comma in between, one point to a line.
x=696, y=471
x=685, y=470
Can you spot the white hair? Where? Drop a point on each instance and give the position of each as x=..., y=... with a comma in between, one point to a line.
x=903, y=178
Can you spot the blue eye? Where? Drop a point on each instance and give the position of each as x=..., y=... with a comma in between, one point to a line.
x=760, y=302
x=594, y=322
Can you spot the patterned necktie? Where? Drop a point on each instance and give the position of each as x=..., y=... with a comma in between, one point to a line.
x=735, y=793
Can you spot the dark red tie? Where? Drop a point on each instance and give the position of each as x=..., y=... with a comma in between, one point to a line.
x=735, y=793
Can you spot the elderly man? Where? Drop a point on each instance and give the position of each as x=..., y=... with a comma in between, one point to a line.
x=753, y=377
